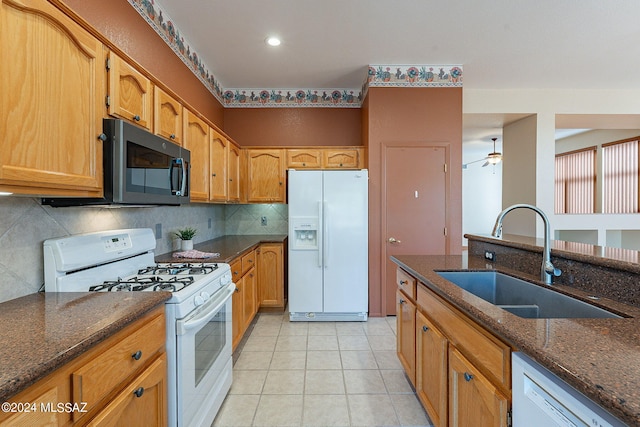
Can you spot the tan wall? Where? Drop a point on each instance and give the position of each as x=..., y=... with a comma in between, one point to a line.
x=410, y=114
x=120, y=23
x=293, y=126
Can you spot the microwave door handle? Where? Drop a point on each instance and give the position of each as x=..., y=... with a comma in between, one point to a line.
x=183, y=187
x=179, y=163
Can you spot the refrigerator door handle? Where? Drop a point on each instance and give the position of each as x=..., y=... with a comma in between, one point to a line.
x=325, y=234
x=320, y=237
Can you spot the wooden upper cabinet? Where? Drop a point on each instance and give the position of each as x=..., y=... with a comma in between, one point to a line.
x=265, y=176
x=52, y=82
x=233, y=173
x=130, y=92
x=341, y=158
x=218, y=189
x=304, y=158
x=167, y=116
x=196, y=140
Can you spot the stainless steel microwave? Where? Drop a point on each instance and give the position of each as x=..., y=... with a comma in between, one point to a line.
x=140, y=168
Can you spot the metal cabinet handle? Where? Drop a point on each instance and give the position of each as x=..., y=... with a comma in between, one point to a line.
x=468, y=377
x=139, y=391
x=213, y=174
x=172, y=136
x=402, y=301
x=102, y=137
x=404, y=282
x=137, y=355
x=136, y=118
x=425, y=328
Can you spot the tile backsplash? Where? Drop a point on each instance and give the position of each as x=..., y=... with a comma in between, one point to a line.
x=25, y=224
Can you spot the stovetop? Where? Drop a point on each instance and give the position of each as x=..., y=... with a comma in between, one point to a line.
x=170, y=277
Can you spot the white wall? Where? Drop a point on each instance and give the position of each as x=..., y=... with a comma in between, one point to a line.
x=481, y=192
x=545, y=104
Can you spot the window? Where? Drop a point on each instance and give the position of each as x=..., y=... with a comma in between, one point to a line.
x=620, y=176
x=576, y=181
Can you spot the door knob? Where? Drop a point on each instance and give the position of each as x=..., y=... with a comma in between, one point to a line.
x=394, y=240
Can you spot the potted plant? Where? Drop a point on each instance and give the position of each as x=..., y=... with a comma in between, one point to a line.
x=186, y=237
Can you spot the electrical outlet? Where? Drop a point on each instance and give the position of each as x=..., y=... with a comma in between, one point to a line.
x=158, y=231
x=491, y=256
x=263, y=221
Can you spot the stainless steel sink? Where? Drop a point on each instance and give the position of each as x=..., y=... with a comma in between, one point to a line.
x=522, y=298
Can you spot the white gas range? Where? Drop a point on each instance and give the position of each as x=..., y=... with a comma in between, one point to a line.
x=198, y=313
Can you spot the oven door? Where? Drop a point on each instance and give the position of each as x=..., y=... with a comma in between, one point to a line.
x=203, y=356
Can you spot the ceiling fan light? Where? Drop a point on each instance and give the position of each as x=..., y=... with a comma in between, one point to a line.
x=494, y=158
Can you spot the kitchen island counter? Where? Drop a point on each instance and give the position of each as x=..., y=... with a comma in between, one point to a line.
x=44, y=331
x=229, y=247
x=598, y=357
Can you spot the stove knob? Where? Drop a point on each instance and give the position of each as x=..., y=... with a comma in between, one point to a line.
x=205, y=295
x=198, y=300
x=225, y=279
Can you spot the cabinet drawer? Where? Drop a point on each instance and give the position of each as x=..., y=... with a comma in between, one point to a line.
x=406, y=283
x=236, y=270
x=489, y=354
x=98, y=377
x=248, y=261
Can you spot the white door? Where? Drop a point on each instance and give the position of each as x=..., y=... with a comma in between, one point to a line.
x=305, y=265
x=345, y=239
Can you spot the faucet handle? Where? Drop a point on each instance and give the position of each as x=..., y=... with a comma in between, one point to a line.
x=550, y=269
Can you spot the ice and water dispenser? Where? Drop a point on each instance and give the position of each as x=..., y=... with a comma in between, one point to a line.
x=305, y=233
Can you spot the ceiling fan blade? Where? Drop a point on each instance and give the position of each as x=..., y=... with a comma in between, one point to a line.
x=485, y=164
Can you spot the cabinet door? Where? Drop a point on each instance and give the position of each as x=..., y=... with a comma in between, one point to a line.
x=196, y=140
x=130, y=93
x=249, y=299
x=52, y=87
x=167, y=116
x=473, y=400
x=431, y=370
x=234, y=173
x=406, y=334
x=340, y=158
x=304, y=159
x=143, y=402
x=218, y=180
x=265, y=176
x=270, y=275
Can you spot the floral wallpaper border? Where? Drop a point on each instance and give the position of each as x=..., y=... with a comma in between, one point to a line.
x=378, y=75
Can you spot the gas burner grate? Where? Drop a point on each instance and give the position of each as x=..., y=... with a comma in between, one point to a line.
x=151, y=283
x=180, y=268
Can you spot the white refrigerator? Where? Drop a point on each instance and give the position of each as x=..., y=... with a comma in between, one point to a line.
x=328, y=245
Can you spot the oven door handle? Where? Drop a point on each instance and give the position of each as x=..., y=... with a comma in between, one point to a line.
x=205, y=312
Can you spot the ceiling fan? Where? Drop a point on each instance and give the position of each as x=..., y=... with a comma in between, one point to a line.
x=492, y=158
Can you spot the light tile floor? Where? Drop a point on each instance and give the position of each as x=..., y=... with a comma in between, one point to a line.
x=320, y=374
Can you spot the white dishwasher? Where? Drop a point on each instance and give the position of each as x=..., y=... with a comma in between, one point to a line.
x=540, y=398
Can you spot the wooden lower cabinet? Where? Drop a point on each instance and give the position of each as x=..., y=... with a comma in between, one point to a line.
x=270, y=263
x=431, y=369
x=244, y=303
x=120, y=381
x=473, y=399
x=142, y=403
x=461, y=372
x=406, y=334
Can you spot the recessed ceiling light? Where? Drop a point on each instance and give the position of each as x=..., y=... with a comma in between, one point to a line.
x=273, y=41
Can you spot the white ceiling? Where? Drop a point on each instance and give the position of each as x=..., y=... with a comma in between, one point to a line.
x=501, y=44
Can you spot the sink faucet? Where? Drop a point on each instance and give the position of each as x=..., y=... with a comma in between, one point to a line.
x=547, y=269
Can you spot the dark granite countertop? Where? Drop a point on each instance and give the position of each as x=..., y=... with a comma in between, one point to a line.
x=229, y=247
x=44, y=331
x=599, y=357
